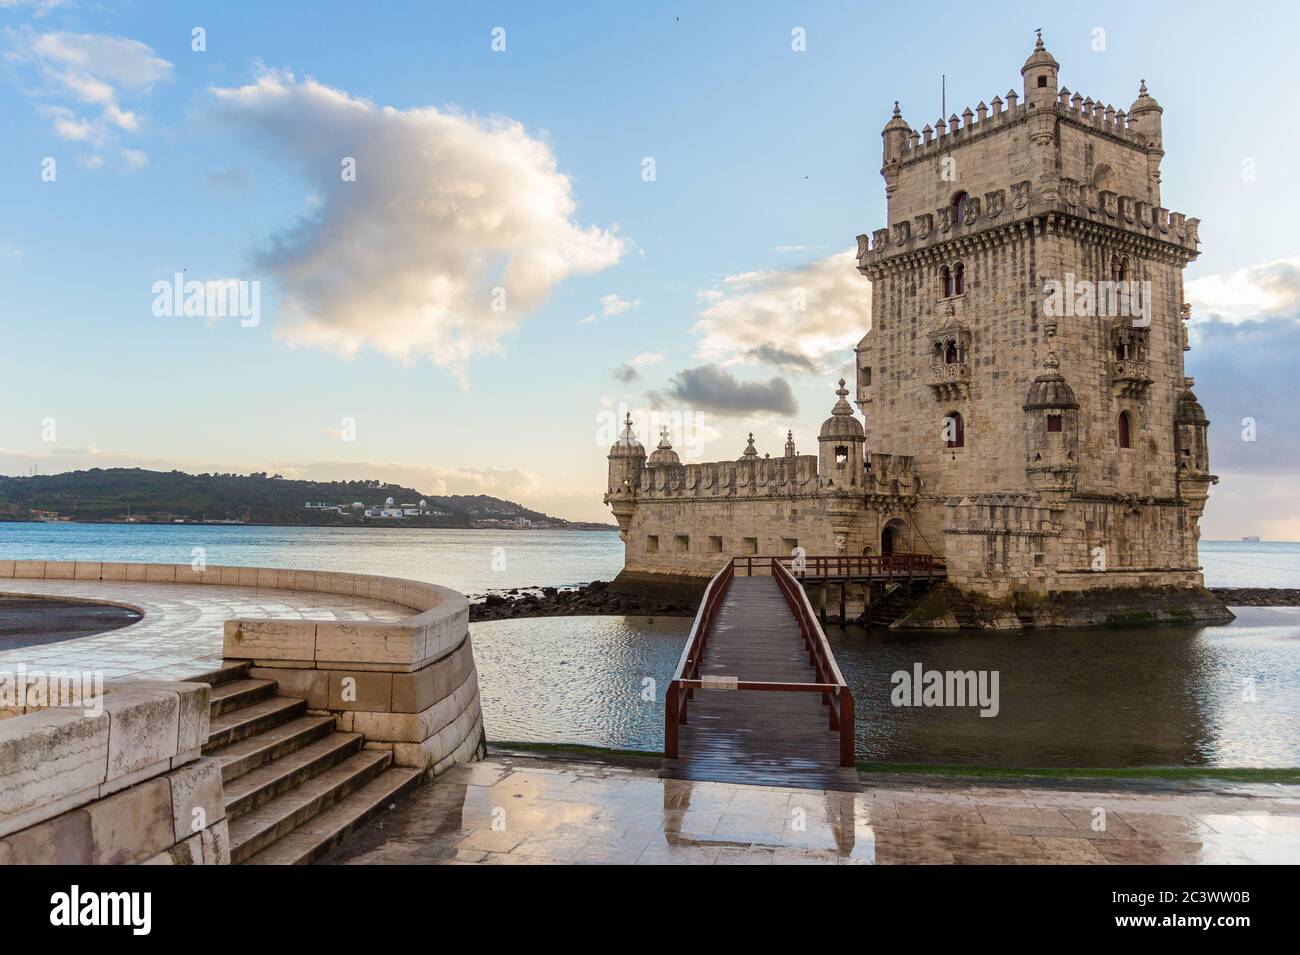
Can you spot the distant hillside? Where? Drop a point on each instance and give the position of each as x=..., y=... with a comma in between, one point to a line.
x=116, y=494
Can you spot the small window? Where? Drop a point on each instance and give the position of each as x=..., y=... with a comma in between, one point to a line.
x=945, y=281
x=715, y=545
x=1042, y=81
x=950, y=354
x=959, y=280
x=841, y=455
x=683, y=543
x=959, y=209
x=750, y=545
x=788, y=545
x=1054, y=423
x=652, y=544
x=1125, y=429
x=954, y=430
x=866, y=377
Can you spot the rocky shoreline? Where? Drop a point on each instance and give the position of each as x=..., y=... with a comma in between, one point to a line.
x=1257, y=596
x=593, y=599
x=596, y=599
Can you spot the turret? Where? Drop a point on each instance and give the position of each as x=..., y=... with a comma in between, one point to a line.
x=896, y=135
x=664, y=454
x=1052, y=432
x=1039, y=74
x=841, y=446
x=626, y=460
x=1191, y=447
x=1144, y=118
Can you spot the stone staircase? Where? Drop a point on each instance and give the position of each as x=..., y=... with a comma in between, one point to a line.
x=895, y=603
x=294, y=784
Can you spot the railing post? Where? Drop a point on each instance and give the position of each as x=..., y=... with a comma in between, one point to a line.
x=846, y=729
x=671, y=704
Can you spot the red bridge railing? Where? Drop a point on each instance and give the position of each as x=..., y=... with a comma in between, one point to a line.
x=846, y=567
x=830, y=682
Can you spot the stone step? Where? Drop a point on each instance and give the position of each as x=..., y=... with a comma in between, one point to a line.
x=318, y=835
x=224, y=673
x=251, y=720
x=246, y=755
x=255, y=830
x=236, y=694
x=264, y=783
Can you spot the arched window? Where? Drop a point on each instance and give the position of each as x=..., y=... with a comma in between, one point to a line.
x=1114, y=268
x=959, y=279
x=954, y=430
x=1054, y=423
x=1125, y=429
x=959, y=208
x=945, y=281
x=950, y=355
x=938, y=353
x=841, y=454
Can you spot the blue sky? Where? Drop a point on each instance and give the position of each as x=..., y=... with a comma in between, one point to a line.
x=766, y=166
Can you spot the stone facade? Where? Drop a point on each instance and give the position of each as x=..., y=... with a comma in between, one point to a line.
x=1027, y=415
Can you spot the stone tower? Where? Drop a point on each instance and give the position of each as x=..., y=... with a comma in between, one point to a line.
x=626, y=459
x=1026, y=342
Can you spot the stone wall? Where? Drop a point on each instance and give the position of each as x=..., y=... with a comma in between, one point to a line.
x=117, y=779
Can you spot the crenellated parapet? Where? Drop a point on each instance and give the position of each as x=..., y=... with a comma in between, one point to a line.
x=1015, y=514
x=714, y=479
x=998, y=216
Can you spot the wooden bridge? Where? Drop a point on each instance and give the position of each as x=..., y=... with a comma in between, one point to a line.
x=757, y=697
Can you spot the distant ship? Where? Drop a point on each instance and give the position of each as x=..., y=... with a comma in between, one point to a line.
x=1254, y=539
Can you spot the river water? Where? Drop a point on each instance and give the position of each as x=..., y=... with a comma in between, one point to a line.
x=1223, y=695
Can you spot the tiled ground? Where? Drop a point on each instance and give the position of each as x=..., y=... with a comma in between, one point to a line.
x=180, y=634
x=520, y=810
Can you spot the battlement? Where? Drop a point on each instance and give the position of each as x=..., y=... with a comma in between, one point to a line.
x=746, y=478
x=1019, y=200
x=999, y=514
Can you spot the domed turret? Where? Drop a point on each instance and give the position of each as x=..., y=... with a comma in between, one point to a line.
x=1144, y=116
x=1039, y=73
x=1052, y=431
x=626, y=460
x=841, y=445
x=750, y=452
x=895, y=135
x=1191, y=431
x=664, y=454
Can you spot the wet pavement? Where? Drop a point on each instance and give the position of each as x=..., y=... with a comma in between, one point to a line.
x=519, y=809
x=27, y=622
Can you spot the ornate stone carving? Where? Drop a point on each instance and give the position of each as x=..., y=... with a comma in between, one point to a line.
x=1070, y=192
x=864, y=246
x=995, y=200
x=1019, y=195
x=945, y=219
x=972, y=212
x=1109, y=203
x=902, y=233
x=1127, y=209
x=924, y=225
x=880, y=239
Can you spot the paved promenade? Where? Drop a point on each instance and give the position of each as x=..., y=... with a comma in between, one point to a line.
x=518, y=810
x=179, y=635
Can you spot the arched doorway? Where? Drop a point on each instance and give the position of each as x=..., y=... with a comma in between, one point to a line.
x=888, y=538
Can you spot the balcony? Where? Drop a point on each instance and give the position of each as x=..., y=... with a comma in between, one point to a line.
x=950, y=380
x=1131, y=377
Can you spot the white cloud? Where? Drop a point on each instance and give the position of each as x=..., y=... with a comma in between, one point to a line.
x=1255, y=293
x=647, y=358
x=92, y=71
x=611, y=305
x=759, y=313
x=445, y=208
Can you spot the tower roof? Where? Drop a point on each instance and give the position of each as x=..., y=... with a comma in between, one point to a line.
x=750, y=451
x=1050, y=390
x=1039, y=57
x=1144, y=102
x=1190, y=410
x=841, y=423
x=627, y=445
x=664, y=454
x=896, y=121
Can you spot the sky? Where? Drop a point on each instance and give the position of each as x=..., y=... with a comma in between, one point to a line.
x=471, y=236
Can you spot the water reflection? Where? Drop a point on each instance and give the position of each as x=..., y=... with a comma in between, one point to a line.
x=1225, y=695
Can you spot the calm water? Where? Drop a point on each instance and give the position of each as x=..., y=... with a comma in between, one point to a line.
x=1170, y=696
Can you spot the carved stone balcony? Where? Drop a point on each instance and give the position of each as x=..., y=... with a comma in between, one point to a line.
x=1131, y=377
x=950, y=381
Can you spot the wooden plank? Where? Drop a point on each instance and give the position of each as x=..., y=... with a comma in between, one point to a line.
x=759, y=737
